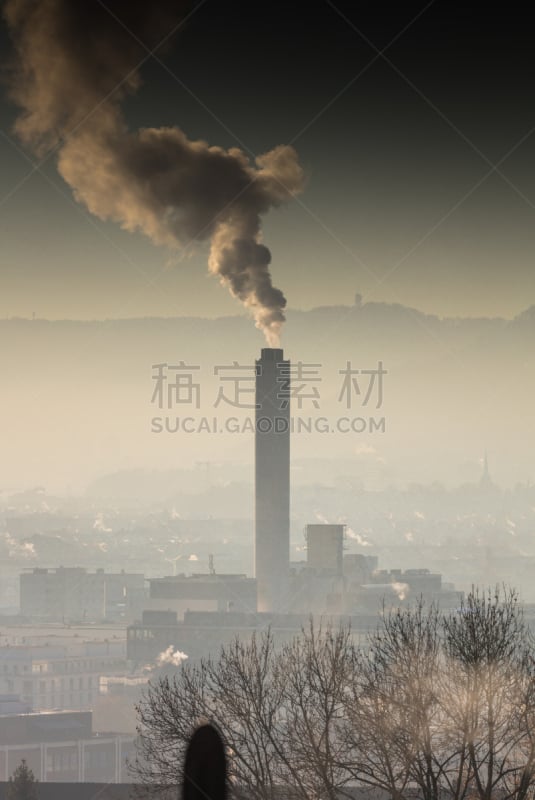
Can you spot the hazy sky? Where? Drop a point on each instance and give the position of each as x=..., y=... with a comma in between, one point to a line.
x=403, y=202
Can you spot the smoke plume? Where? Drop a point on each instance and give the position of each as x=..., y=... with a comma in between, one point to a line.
x=401, y=589
x=75, y=63
x=171, y=656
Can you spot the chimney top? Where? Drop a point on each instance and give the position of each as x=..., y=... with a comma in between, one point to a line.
x=272, y=354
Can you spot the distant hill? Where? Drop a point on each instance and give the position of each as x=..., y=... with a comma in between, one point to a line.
x=76, y=394
x=372, y=325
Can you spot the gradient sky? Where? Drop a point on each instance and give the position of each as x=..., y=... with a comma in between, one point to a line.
x=403, y=201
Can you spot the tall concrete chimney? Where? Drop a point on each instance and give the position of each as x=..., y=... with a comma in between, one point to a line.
x=272, y=480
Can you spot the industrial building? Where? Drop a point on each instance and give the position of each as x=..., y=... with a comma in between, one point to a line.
x=318, y=584
x=394, y=588
x=72, y=594
x=61, y=746
x=200, y=634
x=59, y=676
x=202, y=592
x=325, y=547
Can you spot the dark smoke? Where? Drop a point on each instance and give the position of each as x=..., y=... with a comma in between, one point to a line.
x=75, y=63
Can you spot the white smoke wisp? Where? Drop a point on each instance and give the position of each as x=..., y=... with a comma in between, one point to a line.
x=17, y=549
x=401, y=589
x=100, y=525
x=155, y=181
x=171, y=656
x=351, y=534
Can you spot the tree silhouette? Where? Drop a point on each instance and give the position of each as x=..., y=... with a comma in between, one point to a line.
x=277, y=711
x=22, y=784
x=441, y=703
x=446, y=702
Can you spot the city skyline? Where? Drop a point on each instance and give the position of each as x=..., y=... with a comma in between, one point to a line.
x=267, y=311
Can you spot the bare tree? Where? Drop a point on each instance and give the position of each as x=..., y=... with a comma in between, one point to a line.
x=392, y=715
x=440, y=703
x=319, y=667
x=278, y=712
x=446, y=703
x=249, y=692
x=167, y=714
x=241, y=692
x=489, y=649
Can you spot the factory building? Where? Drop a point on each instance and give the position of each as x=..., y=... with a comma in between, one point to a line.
x=61, y=746
x=59, y=676
x=200, y=634
x=325, y=548
x=73, y=594
x=202, y=592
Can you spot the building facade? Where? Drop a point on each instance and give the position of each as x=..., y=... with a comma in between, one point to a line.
x=73, y=594
x=61, y=746
x=202, y=592
x=59, y=676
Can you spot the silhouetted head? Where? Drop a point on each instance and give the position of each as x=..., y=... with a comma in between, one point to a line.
x=205, y=767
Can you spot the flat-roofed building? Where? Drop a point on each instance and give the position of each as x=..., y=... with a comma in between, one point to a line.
x=61, y=746
x=203, y=592
x=75, y=594
x=59, y=676
x=325, y=547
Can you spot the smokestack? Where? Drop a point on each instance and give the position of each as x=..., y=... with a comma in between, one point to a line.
x=272, y=480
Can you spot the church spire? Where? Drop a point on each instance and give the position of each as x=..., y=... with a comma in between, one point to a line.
x=485, y=480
